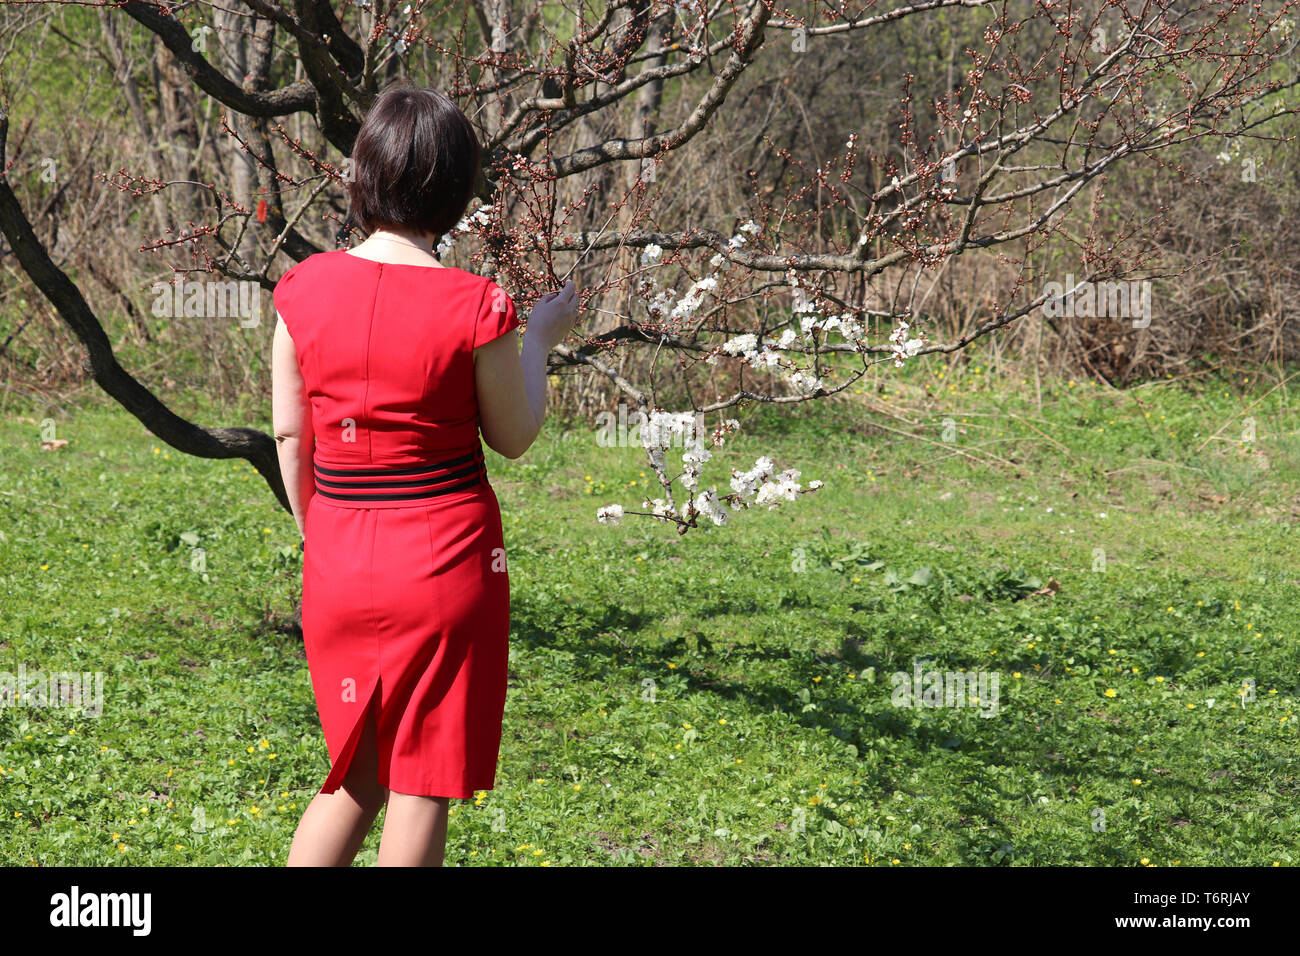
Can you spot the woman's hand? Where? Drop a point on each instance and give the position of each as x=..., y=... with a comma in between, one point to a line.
x=554, y=315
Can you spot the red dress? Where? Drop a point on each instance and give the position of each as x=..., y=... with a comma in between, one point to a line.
x=405, y=594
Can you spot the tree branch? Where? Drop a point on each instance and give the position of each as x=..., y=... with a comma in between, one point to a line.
x=255, y=447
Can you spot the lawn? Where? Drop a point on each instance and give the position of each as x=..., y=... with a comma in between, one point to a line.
x=1124, y=563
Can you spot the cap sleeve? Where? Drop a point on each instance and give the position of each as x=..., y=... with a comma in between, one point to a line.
x=497, y=315
x=283, y=297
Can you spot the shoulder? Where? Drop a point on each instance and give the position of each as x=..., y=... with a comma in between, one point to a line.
x=497, y=314
x=288, y=284
x=490, y=295
x=478, y=282
x=306, y=266
x=288, y=293
x=302, y=277
x=495, y=298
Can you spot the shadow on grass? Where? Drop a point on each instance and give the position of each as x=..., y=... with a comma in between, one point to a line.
x=890, y=743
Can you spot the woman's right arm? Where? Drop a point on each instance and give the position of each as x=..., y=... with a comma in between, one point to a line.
x=511, y=387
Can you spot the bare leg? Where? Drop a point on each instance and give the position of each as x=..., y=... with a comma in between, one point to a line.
x=415, y=830
x=335, y=824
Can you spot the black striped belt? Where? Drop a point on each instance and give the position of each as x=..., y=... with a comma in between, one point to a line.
x=428, y=480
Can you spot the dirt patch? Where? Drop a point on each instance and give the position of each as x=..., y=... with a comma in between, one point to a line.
x=644, y=845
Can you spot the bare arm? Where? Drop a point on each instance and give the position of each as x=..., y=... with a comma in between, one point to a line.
x=291, y=420
x=511, y=387
x=511, y=392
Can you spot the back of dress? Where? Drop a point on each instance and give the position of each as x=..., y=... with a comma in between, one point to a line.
x=386, y=351
x=405, y=590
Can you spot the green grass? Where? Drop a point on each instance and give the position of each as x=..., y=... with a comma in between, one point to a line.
x=723, y=696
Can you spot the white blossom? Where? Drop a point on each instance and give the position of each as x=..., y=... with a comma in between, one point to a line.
x=805, y=382
x=741, y=344
x=708, y=504
x=851, y=330
x=688, y=303
x=720, y=434
x=660, y=303
x=744, y=483
x=663, y=509
x=696, y=456
x=662, y=426
x=772, y=493
x=902, y=346
x=610, y=514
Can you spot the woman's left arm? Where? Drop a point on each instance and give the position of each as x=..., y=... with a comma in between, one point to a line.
x=291, y=420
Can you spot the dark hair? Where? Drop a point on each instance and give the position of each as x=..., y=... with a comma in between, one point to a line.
x=414, y=162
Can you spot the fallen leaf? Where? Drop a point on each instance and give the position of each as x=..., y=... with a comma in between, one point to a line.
x=1052, y=587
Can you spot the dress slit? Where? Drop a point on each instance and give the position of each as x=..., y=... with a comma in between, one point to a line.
x=338, y=773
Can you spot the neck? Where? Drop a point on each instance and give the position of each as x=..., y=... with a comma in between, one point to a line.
x=423, y=243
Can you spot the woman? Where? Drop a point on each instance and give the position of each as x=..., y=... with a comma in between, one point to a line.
x=386, y=365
